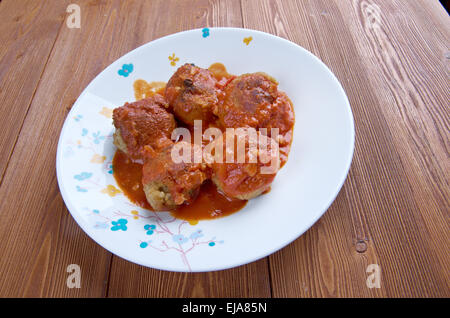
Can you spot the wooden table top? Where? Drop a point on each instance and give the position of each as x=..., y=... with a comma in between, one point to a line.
x=392, y=58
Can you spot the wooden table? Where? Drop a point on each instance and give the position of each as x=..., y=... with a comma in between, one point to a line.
x=392, y=58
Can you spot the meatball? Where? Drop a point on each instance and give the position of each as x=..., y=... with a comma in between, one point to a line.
x=253, y=100
x=144, y=122
x=192, y=93
x=168, y=184
x=251, y=173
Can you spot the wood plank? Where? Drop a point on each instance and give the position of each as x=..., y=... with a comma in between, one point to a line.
x=250, y=280
x=34, y=219
x=27, y=32
x=246, y=281
x=395, y=200
x=413, y=84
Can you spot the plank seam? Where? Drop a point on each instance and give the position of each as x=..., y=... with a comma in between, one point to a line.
x=108, y=279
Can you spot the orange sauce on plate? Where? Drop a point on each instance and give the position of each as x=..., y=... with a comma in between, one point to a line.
x=128, y=175
x=209, y=204
x=142, y=89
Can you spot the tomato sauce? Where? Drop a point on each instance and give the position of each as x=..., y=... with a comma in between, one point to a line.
x=128, y=175
x=209, y=204
x=142, y=89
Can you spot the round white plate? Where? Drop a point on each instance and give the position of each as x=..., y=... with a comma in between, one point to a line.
x=321, y=154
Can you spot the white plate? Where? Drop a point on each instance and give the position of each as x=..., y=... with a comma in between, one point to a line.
x=321, y=154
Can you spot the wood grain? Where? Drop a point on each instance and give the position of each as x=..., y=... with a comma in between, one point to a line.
x=244, y=281
x=392, y=58
x=395, y=200
x=27, y=34
x=34, y=219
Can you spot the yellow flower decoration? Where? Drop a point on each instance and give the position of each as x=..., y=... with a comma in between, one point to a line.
x=98, y=159
x=173, y=60
x=107, y=112
x=135, y=214
x=248, y=40
x=111, y=190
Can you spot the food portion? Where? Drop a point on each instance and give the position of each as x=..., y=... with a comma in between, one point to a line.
x=235, y=163
x=253, y=100
x=246, y=179
x=168, y=184
x=191, y=93
x=248, y=101
x=143, y=123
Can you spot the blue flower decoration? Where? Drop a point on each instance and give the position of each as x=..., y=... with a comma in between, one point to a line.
x=180, y=238
x=211, y=244
x=78, y=117
x=110, y=169
x=196, y=234
x=149, y=228
x=80, y=189
x=97, y=137
x=126, y=70
x=205, y=32
x=144, y=244
x=120, y=224
x=84, y=132
x=83, y=176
